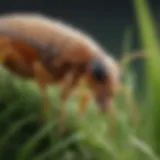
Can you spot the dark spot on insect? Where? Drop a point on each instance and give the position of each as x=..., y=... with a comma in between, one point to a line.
x=98, y=70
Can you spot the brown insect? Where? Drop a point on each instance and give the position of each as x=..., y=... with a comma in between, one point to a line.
x=51, y=52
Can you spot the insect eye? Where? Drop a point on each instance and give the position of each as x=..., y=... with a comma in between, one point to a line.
x=98, y=70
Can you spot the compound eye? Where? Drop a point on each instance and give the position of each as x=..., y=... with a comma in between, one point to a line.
x=98, y=70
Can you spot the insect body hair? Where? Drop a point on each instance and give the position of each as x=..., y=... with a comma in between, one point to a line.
x=47, y=29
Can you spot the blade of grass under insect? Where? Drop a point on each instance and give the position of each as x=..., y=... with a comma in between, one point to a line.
x=15, y=127
x=100, y=140
x=106, y=146
x=9, y=110
x=143, y=147
x=60, y=146
x=30, y=145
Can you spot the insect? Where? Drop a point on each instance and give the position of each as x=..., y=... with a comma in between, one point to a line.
x=51, y=52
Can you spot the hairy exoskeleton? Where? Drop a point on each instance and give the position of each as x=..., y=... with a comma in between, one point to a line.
x=33, y=46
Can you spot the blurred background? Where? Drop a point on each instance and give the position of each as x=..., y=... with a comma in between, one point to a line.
x=116, y=26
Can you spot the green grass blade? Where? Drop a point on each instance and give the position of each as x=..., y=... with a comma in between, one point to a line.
x=150, y=43
x=30, y=145
x=15, y=127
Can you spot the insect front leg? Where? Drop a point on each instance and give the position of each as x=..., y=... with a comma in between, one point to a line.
x=69, y=82
x=43, y=78
x=84, y=96
x=85, y=99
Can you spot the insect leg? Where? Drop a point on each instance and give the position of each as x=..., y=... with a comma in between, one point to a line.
x=69, y=83
x=85, y=98
x=43, y=78
x=131, y=106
